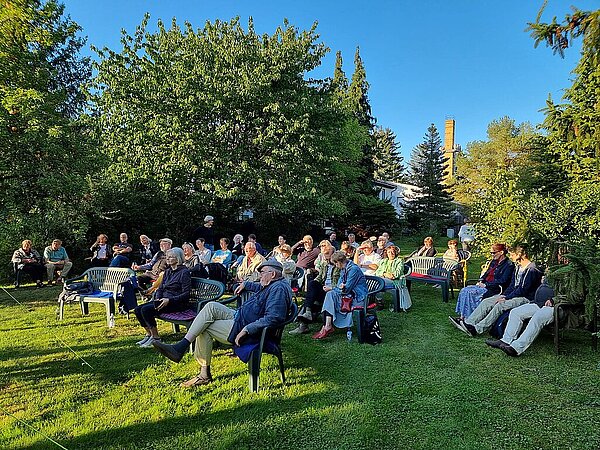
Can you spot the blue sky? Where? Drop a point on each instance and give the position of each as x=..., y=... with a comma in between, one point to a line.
x=425, y=60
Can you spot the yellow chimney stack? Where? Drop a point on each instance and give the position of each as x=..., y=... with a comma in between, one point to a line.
x=450, y=149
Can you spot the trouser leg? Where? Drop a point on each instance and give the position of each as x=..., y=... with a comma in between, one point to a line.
x=66, y=268
x=539, y=320
x=50, y=271
x=482, y=310
x=211, y=313
x=488, y=321
x=515, y=321
x=314, y=295
x=219, y=330
x=146, y=315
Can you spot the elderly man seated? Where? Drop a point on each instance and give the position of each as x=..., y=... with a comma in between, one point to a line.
x=156, y=266
x=56, y=258
x=267, y=307
x=122, y=252
x=247, y=269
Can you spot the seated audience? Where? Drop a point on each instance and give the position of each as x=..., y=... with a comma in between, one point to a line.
x=56, y=258
x=325, y=246
x=267, y=307
x=247, y=269
x=495, y=278
x=204, y=254
x=381, y=245
x=102, y=253
x=539, y=313
x=122, y=252
x=156, y=266
x=525, y=281
x=148, y=249
x=333, y=240
x=259, y=248
x=316, y=289
x=351, y=282
x=386, y=235
x=457, y=255
x=391, y=268
x=466, y=234
x=192, y=261
x=285, y=259
x=348, y=249
x=238, y=246
x=426, y=250
x=172, y=295
x=308, y=254
x=352, y=240
x=366, y=258
x=28, y=260
x=281, y=240
x=223, y=255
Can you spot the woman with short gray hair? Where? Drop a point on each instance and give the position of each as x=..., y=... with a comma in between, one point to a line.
x=172, y=295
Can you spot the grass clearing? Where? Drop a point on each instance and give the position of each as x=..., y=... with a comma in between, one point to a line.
x=426, y=386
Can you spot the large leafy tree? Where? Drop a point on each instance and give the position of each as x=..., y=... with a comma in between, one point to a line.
x=219, y=119
x=388, y=161
x=44, y=159
x=506, y=153
x=430, y=208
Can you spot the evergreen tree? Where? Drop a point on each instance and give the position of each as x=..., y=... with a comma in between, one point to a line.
x=388, y=162
x=430, y=208
x=340, y=81
x=357, y=94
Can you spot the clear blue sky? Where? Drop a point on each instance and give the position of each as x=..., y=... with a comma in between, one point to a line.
x=425, y=60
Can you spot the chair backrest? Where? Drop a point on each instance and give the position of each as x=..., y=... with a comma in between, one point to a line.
x=432, y=266
x=374, y=284
x=298, y=274
x=107, y=278
x=275, y=333
x=204, y=290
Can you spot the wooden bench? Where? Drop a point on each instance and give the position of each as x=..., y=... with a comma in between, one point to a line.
x=107, y=282
x=432, y=270
x=202, y=292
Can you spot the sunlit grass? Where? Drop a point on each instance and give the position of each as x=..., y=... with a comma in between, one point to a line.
x=426, y=386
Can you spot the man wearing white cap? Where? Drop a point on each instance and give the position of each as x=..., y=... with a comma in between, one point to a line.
x=206, y=232
x=267, y=307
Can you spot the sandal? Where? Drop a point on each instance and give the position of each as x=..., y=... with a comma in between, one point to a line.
x=196, y=381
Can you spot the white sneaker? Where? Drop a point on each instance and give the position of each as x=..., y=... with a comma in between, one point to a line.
x=143, y=341
x=148, y=343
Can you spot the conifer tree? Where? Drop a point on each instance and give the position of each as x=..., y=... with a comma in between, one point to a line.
x=430, y=208
x=388, y=162
x=340, y=81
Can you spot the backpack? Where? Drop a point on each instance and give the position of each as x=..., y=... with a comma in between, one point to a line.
x=80, y=288
x=371, y=330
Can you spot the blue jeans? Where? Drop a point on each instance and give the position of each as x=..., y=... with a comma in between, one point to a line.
x=120, y=261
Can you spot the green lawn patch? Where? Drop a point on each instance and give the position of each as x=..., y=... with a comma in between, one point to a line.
x=426, y=386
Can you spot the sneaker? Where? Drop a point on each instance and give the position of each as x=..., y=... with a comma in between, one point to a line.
x=149, y=342
x=143, y=341
x=469, y=329
x=306, y=315
x=301, y=329
x=510, y=351
x=457, y=323
x=495, y=343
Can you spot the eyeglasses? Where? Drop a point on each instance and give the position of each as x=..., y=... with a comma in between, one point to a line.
x=262, y=272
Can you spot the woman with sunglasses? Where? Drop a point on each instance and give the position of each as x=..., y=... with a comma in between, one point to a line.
x=493, y=281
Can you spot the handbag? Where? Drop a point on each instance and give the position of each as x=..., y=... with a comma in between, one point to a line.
x=346, y=304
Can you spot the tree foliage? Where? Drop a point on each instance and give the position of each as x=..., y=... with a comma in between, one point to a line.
x=429, y=209
x=45, y=157
x=388, y=161
x=221, y=119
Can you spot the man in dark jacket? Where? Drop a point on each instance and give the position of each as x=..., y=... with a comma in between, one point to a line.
x=267, y=307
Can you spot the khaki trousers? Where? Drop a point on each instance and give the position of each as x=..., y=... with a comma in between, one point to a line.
x=488, y=311
x=215, y=321
x=64, y=268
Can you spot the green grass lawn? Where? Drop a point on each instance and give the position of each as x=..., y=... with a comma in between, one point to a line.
x=426, y=386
